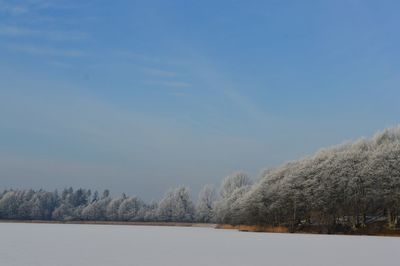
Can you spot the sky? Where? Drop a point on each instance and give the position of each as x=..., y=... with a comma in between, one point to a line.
x=141, y=96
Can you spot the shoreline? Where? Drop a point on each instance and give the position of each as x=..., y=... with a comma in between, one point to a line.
x=178, y=224
x=240, y=228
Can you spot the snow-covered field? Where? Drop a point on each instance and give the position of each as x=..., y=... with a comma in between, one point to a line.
x=98, y=245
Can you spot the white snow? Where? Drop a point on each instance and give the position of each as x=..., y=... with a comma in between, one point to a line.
x=75, y=245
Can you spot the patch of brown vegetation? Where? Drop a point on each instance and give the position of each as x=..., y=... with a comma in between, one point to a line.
x=266, y=229
x=254, y=228
x=226, y=226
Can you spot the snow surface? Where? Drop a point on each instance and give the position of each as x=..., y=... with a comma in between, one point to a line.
x=98, y=245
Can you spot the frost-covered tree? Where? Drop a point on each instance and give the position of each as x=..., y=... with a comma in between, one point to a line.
x=234, y=182
x=233, y=187
x=205, y=204
x=149, y=212
x=9, y=204
x=351, y=185
x=347, y=186
x=64, y=212
x=176, y=206
x=97, y=210
x=130, y=209
x=112, y=209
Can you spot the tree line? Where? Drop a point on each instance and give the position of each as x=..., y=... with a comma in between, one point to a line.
x=349, y=186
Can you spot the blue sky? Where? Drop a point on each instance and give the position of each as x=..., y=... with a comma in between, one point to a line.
x=139, y=96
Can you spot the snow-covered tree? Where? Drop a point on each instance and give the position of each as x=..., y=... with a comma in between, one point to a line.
x=176, y=206
x=348, y=186
x=205, y=204
x=130, y=209
x=233, y=187
x=112, y=209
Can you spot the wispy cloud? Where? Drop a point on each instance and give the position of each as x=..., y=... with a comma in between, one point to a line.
x=159, y=72
x=61, y=64
x=16, y=8
x=12, y=9
x=169, y=84
x=223, y=84
x=44, y=51
x=15, y=31
x=147, y=59
x=43, y=39
x=136, y=56
x=244, y=103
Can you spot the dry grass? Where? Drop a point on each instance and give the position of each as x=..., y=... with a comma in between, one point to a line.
x=254, y=228
x=226, y=226
x=269, y=229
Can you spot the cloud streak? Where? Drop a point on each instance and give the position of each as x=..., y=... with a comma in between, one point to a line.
x=40, y=40
x=44, y=51
x=12, y=9
x=15, y=8
x=15, y=31
x=159, y=72
x=169, y=84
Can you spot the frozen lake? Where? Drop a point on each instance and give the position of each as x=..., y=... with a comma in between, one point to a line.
x=101, y=245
